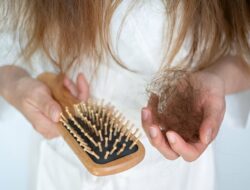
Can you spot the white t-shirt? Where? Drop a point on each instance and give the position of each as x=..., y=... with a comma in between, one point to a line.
x=140, y=48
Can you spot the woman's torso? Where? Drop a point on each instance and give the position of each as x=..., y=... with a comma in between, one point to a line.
x=140, y=49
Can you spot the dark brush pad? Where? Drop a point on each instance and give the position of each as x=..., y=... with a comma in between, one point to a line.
x=110, y=158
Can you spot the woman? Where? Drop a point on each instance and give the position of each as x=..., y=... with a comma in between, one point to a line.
x=210, y=37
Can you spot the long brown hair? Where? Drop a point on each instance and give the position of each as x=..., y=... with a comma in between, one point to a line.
x=70, y=30
x=214, y=29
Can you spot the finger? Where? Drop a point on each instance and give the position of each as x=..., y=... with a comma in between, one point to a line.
x=70, y=86
x=154, y=134
x=43, y=125
x=160, y=143
x=147, y=119
x=83, y=87
x=208, y=129
x=213, y=115
x=189, y=152
x=45, y=131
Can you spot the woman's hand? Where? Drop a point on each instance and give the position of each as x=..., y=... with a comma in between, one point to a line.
x=34, y=100
x=212, y=100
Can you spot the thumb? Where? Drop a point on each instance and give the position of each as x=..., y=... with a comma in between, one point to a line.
x=48, y=106
x=210, y=124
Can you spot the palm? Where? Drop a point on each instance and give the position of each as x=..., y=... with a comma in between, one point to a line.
x=210, y=100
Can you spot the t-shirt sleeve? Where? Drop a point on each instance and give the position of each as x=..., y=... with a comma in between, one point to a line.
x=9, y=49
x=238, y=109
x=10, y=52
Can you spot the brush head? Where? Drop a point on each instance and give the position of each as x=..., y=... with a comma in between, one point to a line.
x=102, y=133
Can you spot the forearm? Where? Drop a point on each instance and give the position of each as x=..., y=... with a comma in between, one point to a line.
x=9, y=74
x=234, y=72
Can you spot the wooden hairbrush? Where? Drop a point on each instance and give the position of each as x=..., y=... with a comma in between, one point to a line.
x=98, y=134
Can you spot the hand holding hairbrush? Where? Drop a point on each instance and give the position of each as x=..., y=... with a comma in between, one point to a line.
x=187, y=108
x=98, y=134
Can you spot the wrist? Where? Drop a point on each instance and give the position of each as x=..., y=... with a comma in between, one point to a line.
x=214, y=74
x=9, y=77
x=233, y=71
x=16, y=90
x=214, y=78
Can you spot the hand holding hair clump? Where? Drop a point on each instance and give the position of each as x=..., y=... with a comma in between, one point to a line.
x=184, y=112
x=174, y=104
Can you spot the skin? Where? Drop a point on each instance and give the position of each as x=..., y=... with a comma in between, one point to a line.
x=33, y=99
x=228, y=75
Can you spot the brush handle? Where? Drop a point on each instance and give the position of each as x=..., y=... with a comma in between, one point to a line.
x=57, y=88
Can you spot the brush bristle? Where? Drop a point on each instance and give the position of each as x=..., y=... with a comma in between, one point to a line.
x=101, y=131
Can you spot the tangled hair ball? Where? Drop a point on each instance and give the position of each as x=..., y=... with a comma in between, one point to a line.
x=174, y=103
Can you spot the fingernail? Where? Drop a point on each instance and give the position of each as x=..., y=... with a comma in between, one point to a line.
x=144, y=114
x=171, y=138
x=54, y=114
x=152, y=132
x=209, y=136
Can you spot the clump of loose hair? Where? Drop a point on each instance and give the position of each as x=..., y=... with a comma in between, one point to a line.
x=174, y=104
